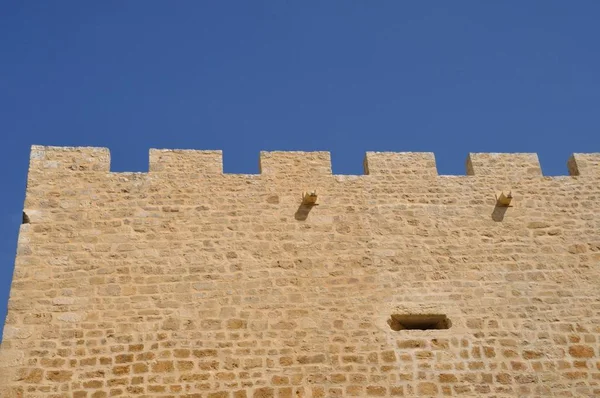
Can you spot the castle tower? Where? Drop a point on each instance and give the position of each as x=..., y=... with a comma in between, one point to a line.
x=185, y=281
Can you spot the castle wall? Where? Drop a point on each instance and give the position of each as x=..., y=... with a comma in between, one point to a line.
x=185, y=281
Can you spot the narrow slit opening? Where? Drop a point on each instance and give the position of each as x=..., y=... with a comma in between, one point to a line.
x=25, y=219
x=419, y=322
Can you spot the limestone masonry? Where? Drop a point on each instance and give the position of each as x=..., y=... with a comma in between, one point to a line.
x=188, y=282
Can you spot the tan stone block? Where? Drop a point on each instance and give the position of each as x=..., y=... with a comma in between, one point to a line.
x=124, y=358
x=52, y=362
x=236, y=324
x=219, y=394
x=447, y=378
x=208, y=365
x=181, y=353
x=117, y=382
x=264, y=392
x=504, y=378
x=145, y=356
x=33, y=375
x=135, y=347
x=311, y=359
x=405, y=344
x=183, y=366
x=376, y=391
x=581, y=351
x=280, y=380
x=88, y=362
x=121, y=370
x=139, y=368
x=529, y=354
x=59, y=375
x=93, y=384
x=162, y=366
x=427, y=388
x=205, y=353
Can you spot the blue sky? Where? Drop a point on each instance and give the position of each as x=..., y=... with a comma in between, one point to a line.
x=344, y=76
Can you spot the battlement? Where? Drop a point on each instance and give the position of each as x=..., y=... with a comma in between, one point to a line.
x=289, y=163
x=185, y=161
x=584, y=164
x=69, y=158
x=508, y=164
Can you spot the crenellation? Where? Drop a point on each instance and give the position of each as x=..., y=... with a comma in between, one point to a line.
x=187, y=281
x=186, y=161
x=53, y=158
x=409, y=164
x=295, y=164
x=298, y=164
x=584, y=164
x=513, y=165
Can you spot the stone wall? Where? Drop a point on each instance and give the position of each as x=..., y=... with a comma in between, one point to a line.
x=185, y=281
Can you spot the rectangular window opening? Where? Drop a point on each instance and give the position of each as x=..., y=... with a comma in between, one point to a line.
x=419, y=322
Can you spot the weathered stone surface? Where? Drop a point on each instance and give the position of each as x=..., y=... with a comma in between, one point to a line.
x=185, y=281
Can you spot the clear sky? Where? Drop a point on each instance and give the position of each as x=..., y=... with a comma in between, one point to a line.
x=448, y=77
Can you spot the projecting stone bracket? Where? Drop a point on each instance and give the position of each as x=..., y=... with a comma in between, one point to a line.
x=504, y=199
x=309, y=198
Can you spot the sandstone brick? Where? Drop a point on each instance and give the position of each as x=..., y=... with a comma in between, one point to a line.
x=124, y=358
x=280, y=380
x=59, y=375
x=105, y=361
x=52, y=362
x=286, y=392
x=136, y=347
x=581, y=351
x=117, y=382
x=93, y=384
x=139, y=368
x=426, y=388
x=33, y=376
x=528, y=354
x=403, y=344
x=310, y=359
x=145, y=356
x=220, y=394
x=121, y=370
x=205, y=353
x=264, y=392
x=162, y=366
x=208, y=365
x=448, y=378
x=504, y=378
x=236, y=324
x=376, y=391
x=181, y=353
x=183, y=366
